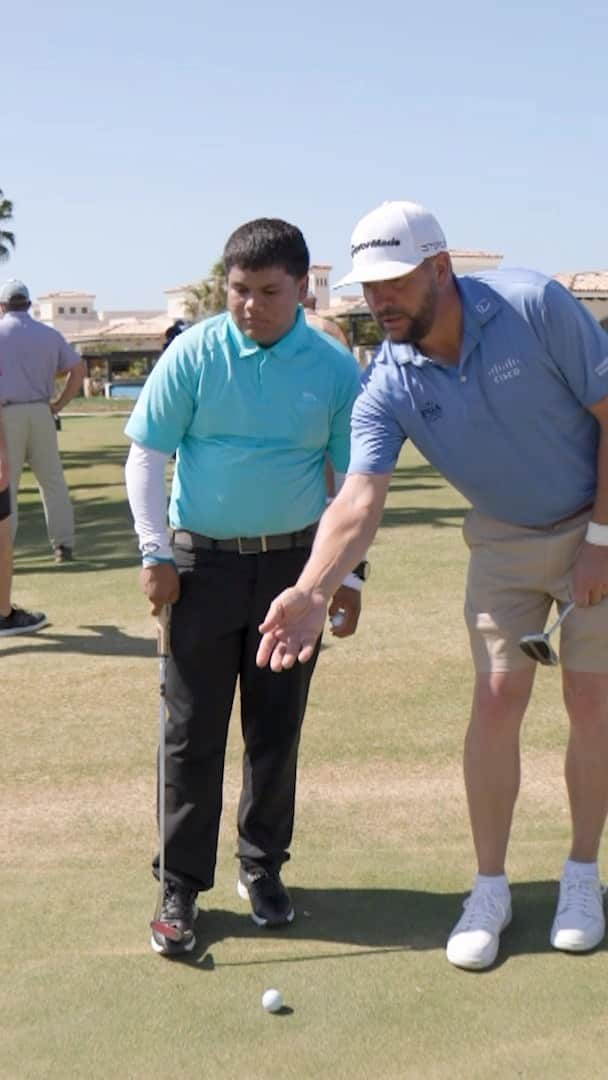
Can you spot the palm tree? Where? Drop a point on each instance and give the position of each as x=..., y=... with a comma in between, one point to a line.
x=208, y=297
x=7, y=239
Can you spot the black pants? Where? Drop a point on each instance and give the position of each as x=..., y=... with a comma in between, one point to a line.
x=214, y=639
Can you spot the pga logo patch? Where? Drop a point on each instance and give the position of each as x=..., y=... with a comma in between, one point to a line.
x=431, y=411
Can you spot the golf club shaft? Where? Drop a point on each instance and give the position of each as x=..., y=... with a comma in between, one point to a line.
x=163, y=652
x=568, y=608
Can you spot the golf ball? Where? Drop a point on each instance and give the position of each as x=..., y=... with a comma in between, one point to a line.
x=272, y=1000
x=338, y=619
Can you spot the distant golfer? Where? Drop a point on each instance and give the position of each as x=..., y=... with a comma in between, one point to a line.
x=501, y=381
x=32, y=356
x=252, y=400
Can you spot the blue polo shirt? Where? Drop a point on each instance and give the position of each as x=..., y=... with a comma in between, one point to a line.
x=251, y=425
x=508, y=425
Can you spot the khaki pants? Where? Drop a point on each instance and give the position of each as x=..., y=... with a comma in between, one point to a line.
x=515, y=575
x=31, y=437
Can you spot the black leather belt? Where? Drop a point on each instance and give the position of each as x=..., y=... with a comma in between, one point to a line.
x=246, y=545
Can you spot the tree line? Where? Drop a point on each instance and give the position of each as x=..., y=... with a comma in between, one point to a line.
x=7, y=238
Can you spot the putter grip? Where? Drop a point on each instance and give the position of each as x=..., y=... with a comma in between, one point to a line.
x=162, y=630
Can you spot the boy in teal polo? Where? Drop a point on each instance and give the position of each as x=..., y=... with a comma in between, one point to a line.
x=252, y=401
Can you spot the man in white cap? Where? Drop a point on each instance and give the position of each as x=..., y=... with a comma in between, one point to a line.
x=32, y=355
x=501, y=381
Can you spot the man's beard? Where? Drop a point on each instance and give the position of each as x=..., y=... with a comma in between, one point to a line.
x=419, y=324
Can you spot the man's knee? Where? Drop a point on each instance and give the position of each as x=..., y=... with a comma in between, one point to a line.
x=502, y=697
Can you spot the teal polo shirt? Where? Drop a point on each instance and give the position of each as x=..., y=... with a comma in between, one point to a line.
x=508, y=425
x=251, y=425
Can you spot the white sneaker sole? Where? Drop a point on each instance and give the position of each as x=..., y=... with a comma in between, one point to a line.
x=171, y=948
x=20, y=630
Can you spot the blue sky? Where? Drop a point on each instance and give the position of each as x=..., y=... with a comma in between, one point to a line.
x=134, y=138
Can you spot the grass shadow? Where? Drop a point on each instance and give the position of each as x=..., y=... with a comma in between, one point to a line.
x=408, y=479
x=366, y=921
x=107, y=640
x=438, y=516
x=104, y=538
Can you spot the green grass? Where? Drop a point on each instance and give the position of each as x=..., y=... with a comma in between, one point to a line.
x=81, y=406
x=381, y=855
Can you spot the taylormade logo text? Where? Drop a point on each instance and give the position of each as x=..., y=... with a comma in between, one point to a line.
x=356, y=248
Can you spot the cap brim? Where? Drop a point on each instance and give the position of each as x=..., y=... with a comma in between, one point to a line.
x=376, y=272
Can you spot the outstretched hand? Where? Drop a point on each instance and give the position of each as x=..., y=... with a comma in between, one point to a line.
x=290, y=630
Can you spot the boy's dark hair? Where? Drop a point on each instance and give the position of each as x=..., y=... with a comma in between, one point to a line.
x=266, y=242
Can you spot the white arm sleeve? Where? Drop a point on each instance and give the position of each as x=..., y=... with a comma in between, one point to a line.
x=147, y=494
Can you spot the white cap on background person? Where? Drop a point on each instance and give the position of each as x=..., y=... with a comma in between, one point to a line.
x=12, y=290
x=391, y=241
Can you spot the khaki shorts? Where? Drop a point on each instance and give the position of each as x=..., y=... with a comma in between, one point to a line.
x=514, y=576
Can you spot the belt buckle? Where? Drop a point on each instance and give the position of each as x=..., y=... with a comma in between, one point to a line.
x=251, y=545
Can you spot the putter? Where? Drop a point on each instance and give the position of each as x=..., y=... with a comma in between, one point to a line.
x=168, y=931
x=538, y=647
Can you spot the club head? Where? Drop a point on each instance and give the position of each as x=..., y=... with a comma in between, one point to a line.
x=539, y=648
x=168, y=931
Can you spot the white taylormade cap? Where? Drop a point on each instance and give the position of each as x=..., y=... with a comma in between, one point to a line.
x=391, y=241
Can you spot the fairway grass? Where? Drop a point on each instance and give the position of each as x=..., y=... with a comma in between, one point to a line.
x=381, y=856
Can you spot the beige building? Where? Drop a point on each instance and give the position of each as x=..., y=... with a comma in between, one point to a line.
x=591, y=288
x=142, y=330
x=74, y=314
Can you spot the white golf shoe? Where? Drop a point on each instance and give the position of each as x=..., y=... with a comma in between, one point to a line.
x=474, y=940
x=579, y=923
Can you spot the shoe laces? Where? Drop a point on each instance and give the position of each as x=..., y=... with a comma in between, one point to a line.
x=483, y=909
x=268, y=882
x=177, y=901
x=582, y=893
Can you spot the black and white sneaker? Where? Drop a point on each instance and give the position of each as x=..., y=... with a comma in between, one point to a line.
x=63, y=553
x=270, y=902
x=21, y=622
x=178, y=914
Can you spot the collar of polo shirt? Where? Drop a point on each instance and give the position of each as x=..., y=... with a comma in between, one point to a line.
x=480, y=304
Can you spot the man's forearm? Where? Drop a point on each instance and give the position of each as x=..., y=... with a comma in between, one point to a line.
x=345, y=532
x=599, y=513
x=600, y=507
x=71, y=387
